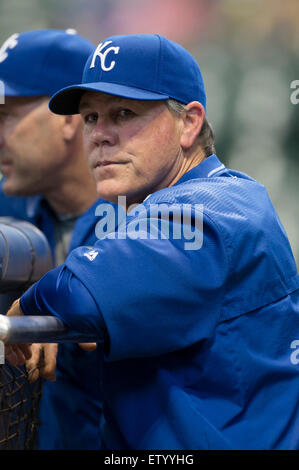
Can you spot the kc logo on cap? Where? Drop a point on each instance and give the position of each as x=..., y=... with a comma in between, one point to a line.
x=10, y=43
x=103, y=55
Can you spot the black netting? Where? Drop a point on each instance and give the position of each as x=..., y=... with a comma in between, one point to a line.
x=19, y=409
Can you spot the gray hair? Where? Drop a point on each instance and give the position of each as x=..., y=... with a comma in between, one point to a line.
x=205, y=138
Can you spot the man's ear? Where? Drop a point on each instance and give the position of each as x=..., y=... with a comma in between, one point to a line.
x=71, y=125
x=193, y=120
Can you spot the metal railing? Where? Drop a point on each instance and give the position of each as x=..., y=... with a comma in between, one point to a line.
x=38, y=329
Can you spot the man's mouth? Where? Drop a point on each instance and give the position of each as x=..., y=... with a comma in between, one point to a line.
x=5, y=167
x=105, y=163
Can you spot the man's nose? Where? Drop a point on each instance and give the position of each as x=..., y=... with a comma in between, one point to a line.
x=105, y=132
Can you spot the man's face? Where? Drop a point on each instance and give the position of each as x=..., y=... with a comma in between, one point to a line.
x=30, y=148
x=133, y=147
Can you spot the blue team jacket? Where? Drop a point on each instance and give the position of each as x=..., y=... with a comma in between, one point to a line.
x=71, y=406
x=202, y=348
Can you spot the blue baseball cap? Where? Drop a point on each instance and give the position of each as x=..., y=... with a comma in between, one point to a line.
x=37, y=63
x=139, y=67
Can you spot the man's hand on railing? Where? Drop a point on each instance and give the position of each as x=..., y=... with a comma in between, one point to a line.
x=17, y=354
x=39, y=358
x=42, y=362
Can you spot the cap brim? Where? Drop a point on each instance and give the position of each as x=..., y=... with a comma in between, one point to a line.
x=11, y=90
x=67, y=100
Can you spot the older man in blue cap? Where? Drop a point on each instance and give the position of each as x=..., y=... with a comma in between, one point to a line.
x=47, y=182
x=196, y=293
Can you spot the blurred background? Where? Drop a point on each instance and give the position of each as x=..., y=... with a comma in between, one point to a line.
x=248, y=51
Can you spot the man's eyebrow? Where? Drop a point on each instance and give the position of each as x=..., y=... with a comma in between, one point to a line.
x=83, y=106
x=110, y=99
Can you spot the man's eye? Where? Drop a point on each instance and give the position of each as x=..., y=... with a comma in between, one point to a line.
x=125, y=113
x=90, y=118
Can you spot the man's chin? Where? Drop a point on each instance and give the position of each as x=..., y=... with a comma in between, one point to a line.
x=105, y=192
x=11, y=189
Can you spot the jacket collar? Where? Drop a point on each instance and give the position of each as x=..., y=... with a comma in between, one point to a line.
x=208, y=168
